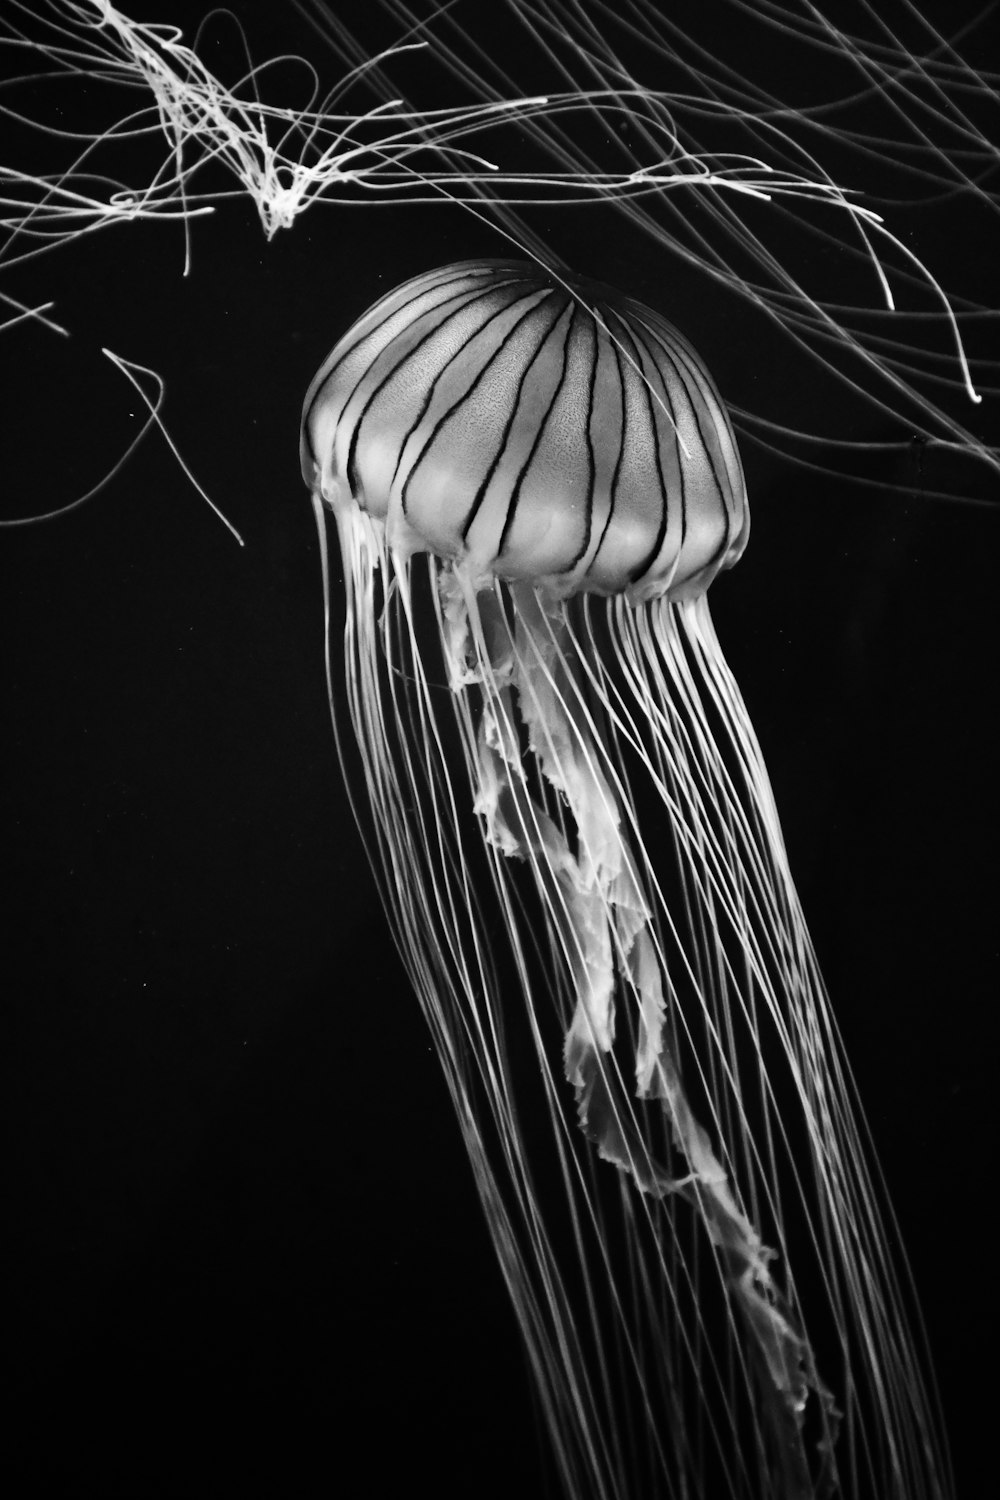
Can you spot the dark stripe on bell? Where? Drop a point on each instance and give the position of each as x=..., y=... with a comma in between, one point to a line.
x=519, y=482
x=581, y=437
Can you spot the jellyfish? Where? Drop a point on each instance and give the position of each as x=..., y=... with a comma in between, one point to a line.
x=694, y=143
x=534, y=481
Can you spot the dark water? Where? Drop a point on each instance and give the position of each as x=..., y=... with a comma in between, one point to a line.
x=245, y=1240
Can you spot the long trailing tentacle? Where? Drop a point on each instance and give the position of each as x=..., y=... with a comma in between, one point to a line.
x=614, y=801
x=600, y=901
x=425, y=856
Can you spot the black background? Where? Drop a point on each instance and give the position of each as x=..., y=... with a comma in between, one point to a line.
x=246, y=1248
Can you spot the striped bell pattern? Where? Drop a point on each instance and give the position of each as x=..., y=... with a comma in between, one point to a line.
x=534, y=428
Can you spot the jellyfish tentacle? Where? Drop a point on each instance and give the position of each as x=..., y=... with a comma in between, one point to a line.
x=595, y=901
x=544, y=728
x=441, y=932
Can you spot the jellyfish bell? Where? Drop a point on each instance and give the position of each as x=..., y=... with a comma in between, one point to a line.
x=534, y=481
x=467, y=360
